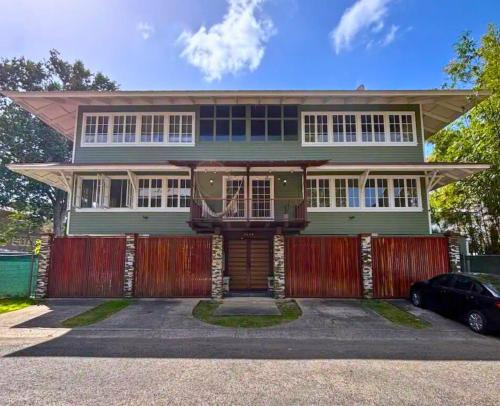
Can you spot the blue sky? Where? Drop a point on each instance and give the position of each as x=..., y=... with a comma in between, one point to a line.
x=249, y=44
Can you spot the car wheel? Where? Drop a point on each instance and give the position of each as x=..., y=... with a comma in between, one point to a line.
x=476, y=321
x=416, y=298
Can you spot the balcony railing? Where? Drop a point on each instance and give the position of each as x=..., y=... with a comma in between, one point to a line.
x=281, y=211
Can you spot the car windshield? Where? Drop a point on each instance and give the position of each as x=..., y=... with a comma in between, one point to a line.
x=492, y=282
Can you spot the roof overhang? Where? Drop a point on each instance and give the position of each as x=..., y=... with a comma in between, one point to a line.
x=59, y=109
x=437, y=174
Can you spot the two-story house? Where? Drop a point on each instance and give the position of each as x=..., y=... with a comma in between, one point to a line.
x=248, y=165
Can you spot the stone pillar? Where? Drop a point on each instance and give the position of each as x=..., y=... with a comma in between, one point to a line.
x=366, y=265
x=217, y=266
x=129, y=268
x=454, y=252
x=279, y=266
x=42, y=279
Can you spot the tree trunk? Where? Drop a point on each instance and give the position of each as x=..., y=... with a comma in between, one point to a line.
x=59, y=213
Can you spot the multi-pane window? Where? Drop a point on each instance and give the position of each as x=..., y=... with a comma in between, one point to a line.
x=406, y=128
x=261, y=198
x=119, y=193
x=312, y=192
x=96, y=129
x=405, y=193
x=124, y=128
x=152, y=128
x=273, y=122
x=344, y=127
x=372, y=128
x=235, y=204
x=180, y=129
x=222, y=123
x=178, y=192
x=401, y=127
x=150, y=193
x=318, y=192
x=376, y=193
x=316, y=128
x=91, y=193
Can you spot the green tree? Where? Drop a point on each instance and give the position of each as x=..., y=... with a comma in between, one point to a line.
x=472, y=206
x=26, y=139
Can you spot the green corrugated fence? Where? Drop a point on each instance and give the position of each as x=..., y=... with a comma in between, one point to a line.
x=15, y=272
x=481, y=263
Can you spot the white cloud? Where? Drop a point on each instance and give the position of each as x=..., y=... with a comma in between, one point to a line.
x=235, y=44
x=145, y=29
x=390, y=36
x=363, y=15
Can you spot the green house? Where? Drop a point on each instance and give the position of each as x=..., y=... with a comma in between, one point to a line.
x=248, y=165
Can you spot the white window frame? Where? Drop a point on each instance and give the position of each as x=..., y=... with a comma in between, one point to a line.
x=134, y=197
x=224, y=196
x=138, y=130
x=271, y=197
x=362, y=207
x=359, y=141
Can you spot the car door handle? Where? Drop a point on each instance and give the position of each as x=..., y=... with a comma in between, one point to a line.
x=470, y=297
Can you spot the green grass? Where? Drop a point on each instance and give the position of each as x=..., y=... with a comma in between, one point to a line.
x=9, y=305
x=98, y=313
x=395, y=314
x=204, y=310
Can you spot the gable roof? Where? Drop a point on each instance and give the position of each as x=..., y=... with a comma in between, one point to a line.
x=58, y=109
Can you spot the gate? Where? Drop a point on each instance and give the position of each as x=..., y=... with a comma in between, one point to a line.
x=400, y=261
x=322, y=266
x=173, y=266
x=87, y=267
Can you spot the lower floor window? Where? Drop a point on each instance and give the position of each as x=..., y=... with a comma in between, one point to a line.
x=150, y=193
x=90, y=193
x=119, y=193
x=405, y=193
x=178, y=192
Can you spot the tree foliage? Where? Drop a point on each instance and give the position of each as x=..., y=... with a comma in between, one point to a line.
x=26, y=139
x=472, y=206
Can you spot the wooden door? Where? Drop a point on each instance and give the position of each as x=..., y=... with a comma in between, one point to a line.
x=248, y=263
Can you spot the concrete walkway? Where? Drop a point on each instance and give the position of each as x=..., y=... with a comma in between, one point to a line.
x=247, y=306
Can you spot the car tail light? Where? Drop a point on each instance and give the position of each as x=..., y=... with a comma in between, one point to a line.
x=497, y=304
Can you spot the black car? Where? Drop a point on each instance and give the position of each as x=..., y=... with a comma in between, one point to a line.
x=472, y=297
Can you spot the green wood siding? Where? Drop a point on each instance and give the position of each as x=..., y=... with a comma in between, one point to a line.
x=249, y=150
x=168, y=223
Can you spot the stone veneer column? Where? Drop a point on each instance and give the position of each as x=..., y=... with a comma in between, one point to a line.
x=366, y=265
x=454, y=252
x=42, y=279
x=279, y=266
x=217, y=266
x=129, y=268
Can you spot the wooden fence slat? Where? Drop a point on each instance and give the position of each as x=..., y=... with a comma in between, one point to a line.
x=400, y=261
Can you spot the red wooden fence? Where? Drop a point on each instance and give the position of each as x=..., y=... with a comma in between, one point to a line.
x=322, y=266
x=173, y=266
x=400, y=261
x=86, y=267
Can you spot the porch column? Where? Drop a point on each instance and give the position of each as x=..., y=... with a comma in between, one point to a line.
x=42, y=278
x=454, y=251
x=129, y=268
x=279, y=266
x=217, y=266
x=366, y=265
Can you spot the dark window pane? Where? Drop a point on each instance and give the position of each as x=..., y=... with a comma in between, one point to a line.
x=206, y=130
x=463, y=283
x=290, y=111
x=258, y=111
x=118, y=193
x=222, y=111
x=222, y=130
x=274, y=111
x=258, y=130
x=238, y=111
x=442, y=280
x=291, y=129
x=238, y=130
x=274, y=130
x=206, y=111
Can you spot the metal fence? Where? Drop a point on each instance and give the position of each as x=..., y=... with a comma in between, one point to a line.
x=481, y=263
x=18, y=275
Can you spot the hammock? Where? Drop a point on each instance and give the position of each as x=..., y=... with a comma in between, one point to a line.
x=231, y=207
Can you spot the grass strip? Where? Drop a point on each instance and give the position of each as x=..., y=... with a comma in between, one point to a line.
x=204, y=310
x=98, y=313
x=11, y=304
x=395, y=314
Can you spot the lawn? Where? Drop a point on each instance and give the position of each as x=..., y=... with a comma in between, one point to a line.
x=395, y=314
x=289, y=309
x=9, y=305
x=98, y=313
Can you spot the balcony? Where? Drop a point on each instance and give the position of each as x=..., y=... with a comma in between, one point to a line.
x=241, y=214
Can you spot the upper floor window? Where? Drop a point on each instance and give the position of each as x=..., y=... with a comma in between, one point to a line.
x=345, y=193
x=335, y=128
x=138, y=128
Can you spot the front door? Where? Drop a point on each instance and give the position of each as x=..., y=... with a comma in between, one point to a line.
x=248, y=263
